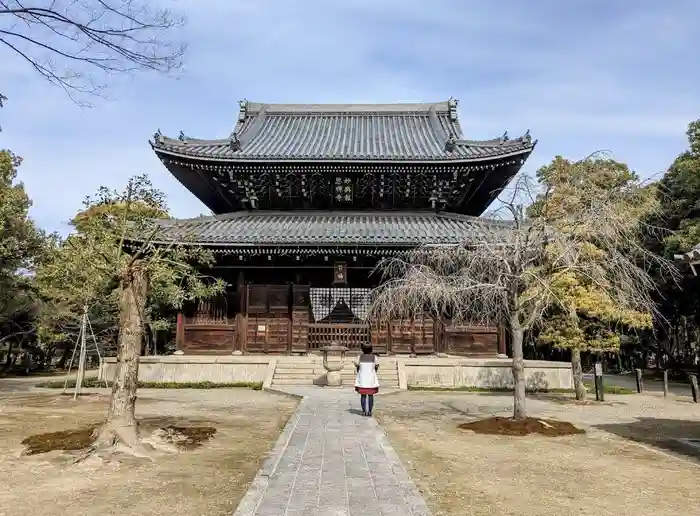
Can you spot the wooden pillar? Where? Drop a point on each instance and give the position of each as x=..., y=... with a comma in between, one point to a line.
x=242, y=315
x=180, y=333
x=502, y=350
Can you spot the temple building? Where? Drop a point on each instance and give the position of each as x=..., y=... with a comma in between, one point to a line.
x=307, y=198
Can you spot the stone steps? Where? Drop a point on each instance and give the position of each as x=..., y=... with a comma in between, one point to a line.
x=310, y=371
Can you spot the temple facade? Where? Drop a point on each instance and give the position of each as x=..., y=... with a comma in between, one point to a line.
x=308, y=198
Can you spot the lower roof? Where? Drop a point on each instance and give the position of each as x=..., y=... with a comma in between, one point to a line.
x=291, y=229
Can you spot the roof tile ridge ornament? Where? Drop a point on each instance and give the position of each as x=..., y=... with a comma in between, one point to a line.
x=234, y=142
x=452, y=106
x=451, y=143
x=158, y=137
x=182, y=137
x=242, y=110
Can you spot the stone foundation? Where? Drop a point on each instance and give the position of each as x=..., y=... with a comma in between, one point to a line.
x=196, y=368
x=446, y=372
x=496, y=373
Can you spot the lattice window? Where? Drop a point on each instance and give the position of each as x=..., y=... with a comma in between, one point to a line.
x=325, y=300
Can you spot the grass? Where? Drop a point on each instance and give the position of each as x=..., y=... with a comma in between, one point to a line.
x=480, y=389
x=609, y=389
x=93, y=383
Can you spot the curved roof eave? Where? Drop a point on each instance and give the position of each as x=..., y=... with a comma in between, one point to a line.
x=230, y=161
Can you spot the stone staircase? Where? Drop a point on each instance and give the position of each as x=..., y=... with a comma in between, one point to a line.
x=309, y=370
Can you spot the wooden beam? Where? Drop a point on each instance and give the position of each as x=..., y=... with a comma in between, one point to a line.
x=502, y=349
x=180, y=332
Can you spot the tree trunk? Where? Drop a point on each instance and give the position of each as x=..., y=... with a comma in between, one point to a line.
x=67, y=350
x=121, y=425
x=577, y=372
x=518, y=369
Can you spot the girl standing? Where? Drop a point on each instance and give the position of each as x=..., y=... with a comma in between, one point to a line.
x=367, y=382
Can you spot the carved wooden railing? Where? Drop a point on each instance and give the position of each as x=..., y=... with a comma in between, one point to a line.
x=212, y=311
x=350, y=335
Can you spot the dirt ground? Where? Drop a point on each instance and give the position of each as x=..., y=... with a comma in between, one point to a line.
x=209, y=480
x=615, y=468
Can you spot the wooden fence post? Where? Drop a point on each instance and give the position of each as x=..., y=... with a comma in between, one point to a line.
x=640, y=381
x=694, y=388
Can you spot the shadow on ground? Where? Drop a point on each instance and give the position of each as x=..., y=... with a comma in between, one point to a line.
x=666, y=434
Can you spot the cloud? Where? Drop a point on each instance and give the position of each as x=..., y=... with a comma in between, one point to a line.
x=581, y=75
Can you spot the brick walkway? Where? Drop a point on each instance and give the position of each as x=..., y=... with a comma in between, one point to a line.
x=332, y=461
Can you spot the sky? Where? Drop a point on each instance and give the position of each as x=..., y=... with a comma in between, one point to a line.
x=581, y=75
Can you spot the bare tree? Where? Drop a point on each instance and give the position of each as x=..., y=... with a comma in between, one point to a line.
x=518, y=266
x=80, y=45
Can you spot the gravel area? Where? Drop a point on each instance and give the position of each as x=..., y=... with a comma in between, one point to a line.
x=627, y=462
x=209, y=480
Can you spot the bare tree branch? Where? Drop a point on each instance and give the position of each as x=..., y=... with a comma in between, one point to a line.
x=80, y=45
x=571, y=234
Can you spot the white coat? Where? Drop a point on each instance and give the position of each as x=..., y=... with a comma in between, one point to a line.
x=366, y=373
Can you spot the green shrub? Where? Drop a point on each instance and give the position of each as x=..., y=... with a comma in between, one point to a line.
x=93, y=383
x=609, y=389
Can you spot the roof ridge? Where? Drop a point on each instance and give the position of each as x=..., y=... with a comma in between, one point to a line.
x=253, y=108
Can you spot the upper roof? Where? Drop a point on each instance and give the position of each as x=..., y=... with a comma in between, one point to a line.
x=253, y=229
x=345, y=132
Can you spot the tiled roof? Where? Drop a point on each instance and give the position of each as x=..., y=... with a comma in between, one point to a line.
x=374, y=132
x=324, y=228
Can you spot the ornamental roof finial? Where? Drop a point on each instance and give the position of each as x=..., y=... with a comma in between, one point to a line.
x=235, y=143
x=451, y=143
x=452, y=105
x=182, y=136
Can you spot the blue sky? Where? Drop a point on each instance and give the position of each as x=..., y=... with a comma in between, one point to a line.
x=582, y=75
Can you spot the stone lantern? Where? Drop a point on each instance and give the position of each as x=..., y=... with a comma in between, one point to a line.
x=334, y=367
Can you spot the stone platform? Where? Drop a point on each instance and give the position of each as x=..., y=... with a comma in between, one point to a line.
x=398, y=372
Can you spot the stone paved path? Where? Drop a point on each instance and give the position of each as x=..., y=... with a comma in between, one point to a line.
x=332, y=461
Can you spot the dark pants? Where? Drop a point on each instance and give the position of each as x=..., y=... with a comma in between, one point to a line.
x=367, y=401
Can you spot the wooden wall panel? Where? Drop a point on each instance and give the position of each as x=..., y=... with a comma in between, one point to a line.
x=473, y=341
x=300, y=331
x=209, y=339
x=424, y=336
x=267, y=333
x=412, y=336
x=379, y=337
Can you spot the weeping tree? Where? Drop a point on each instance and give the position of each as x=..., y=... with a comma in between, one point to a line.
x=113, y=261
x=523, y=262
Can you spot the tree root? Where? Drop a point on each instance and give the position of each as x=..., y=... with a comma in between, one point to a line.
x=117, y=437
